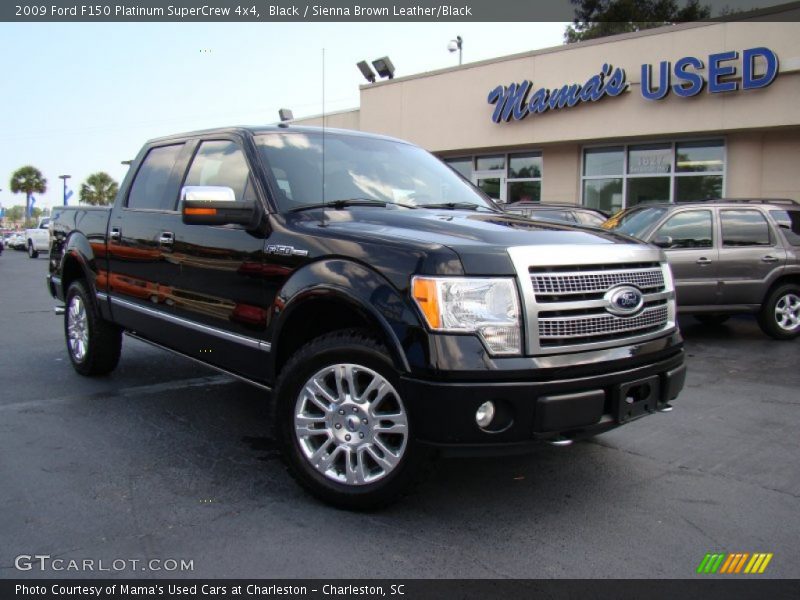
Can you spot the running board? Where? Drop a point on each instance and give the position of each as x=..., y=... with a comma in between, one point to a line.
x=198, y=361
x=59, y=310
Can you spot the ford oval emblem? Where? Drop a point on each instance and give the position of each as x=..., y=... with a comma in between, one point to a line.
x=623, y=300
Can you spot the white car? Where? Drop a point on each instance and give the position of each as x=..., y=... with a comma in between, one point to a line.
x=16, y=241
x=38, y=239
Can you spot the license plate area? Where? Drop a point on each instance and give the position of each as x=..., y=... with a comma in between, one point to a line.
x=635, y=399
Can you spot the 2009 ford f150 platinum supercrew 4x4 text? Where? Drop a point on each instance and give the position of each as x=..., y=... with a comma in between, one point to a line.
x=390, y=308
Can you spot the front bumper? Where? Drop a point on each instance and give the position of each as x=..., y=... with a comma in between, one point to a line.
x=443, y=413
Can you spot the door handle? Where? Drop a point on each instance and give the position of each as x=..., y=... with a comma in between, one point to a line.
x=167, y=238
x=769, y=259
x=116, y=234
x=703, y=261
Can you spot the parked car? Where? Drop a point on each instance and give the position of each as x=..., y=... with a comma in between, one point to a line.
x=37, y=239
x=388, y=312
x=566, y=213
x=728, y=257
x=16, y=241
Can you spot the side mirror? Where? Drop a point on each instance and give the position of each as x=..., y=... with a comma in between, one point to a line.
x=214, y=205
x=663, y=241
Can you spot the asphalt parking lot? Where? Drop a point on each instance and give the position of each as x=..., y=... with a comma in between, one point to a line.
x=166, y=459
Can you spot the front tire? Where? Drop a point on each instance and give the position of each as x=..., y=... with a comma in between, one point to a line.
x=32, y=252
x=93, y=344
x=342, y=424
x=780, y=314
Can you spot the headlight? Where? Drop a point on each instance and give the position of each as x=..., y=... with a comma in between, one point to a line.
x=486, y=306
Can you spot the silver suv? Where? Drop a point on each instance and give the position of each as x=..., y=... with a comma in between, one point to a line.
x=727, y=257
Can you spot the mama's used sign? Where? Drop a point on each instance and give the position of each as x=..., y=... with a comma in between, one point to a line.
x=684, y=78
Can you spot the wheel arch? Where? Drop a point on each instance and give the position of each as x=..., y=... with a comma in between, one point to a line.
x=322, y=310
x=792, y=278
x=78, y=262
x=336, y=294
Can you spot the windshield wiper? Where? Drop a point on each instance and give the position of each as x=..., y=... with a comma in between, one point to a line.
x=352, y=202
x=341, y=204
x=453, y=205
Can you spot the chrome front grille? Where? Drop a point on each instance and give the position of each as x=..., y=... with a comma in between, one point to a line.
x=564, y=290
x=572, y=329
x=561, y=284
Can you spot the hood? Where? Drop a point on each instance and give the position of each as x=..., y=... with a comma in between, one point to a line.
x=480, y=239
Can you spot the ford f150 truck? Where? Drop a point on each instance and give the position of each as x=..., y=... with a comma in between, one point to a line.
x=387, y=306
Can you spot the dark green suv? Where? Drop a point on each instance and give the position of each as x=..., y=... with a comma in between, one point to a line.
x=727, y=257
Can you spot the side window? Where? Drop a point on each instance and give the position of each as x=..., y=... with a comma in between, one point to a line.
x=744, y=228
x=553, y=215
x=789, y=222
x=589, y=219
x=150, y=189
x=689, y=229
x=222, y=163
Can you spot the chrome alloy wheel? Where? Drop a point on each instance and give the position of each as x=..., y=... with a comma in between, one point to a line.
x=77, y=328
x=787, y=312
x=351, y=424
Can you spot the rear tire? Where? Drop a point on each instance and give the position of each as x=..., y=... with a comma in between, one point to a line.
x=780, y=314
x=342, y=424
x=32, y=252
x=93, y=344
x=712, y=320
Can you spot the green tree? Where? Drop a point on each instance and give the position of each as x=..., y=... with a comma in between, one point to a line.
x=99, y=189
x=600, y=18
x=16, y=213
x=28, y=179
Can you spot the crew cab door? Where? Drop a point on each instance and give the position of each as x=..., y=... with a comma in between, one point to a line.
x=749, y=253
x=693, y=255
x=141, y=269
x=219, y=291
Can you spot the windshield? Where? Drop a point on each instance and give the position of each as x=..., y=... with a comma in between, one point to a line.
x=635, y=222
x=361, y=168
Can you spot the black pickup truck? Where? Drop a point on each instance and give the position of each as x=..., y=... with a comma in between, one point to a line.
x=387, y=306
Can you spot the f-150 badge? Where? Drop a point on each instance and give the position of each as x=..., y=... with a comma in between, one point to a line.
x=285, y=250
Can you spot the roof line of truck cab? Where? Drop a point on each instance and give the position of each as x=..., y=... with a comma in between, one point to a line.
x=259, y=129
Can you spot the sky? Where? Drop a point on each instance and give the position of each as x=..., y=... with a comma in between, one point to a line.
x=82, y=97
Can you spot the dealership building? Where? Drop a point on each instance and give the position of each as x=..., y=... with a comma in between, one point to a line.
x=680, y=113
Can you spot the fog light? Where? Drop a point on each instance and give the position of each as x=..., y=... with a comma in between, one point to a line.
x=485, y=414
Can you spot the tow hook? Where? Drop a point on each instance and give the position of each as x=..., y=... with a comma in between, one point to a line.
x=59, y=310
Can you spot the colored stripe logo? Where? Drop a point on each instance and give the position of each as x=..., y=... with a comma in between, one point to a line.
x=734, y=563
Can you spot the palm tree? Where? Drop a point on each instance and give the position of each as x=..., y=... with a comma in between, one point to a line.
x=28, y=179
x=99, y=189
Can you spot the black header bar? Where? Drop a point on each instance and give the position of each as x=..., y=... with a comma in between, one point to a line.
x=708, y=588
x=320, y=11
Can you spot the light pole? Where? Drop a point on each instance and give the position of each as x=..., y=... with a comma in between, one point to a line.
x=64, y=178
x=454, y=45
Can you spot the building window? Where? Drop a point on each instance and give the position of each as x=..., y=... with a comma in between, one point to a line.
x=603, y=175
x=524, y=177
x=616, y=177
x=490, y=163
x=504, y=177
x=461, y=165
x=699, y=170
